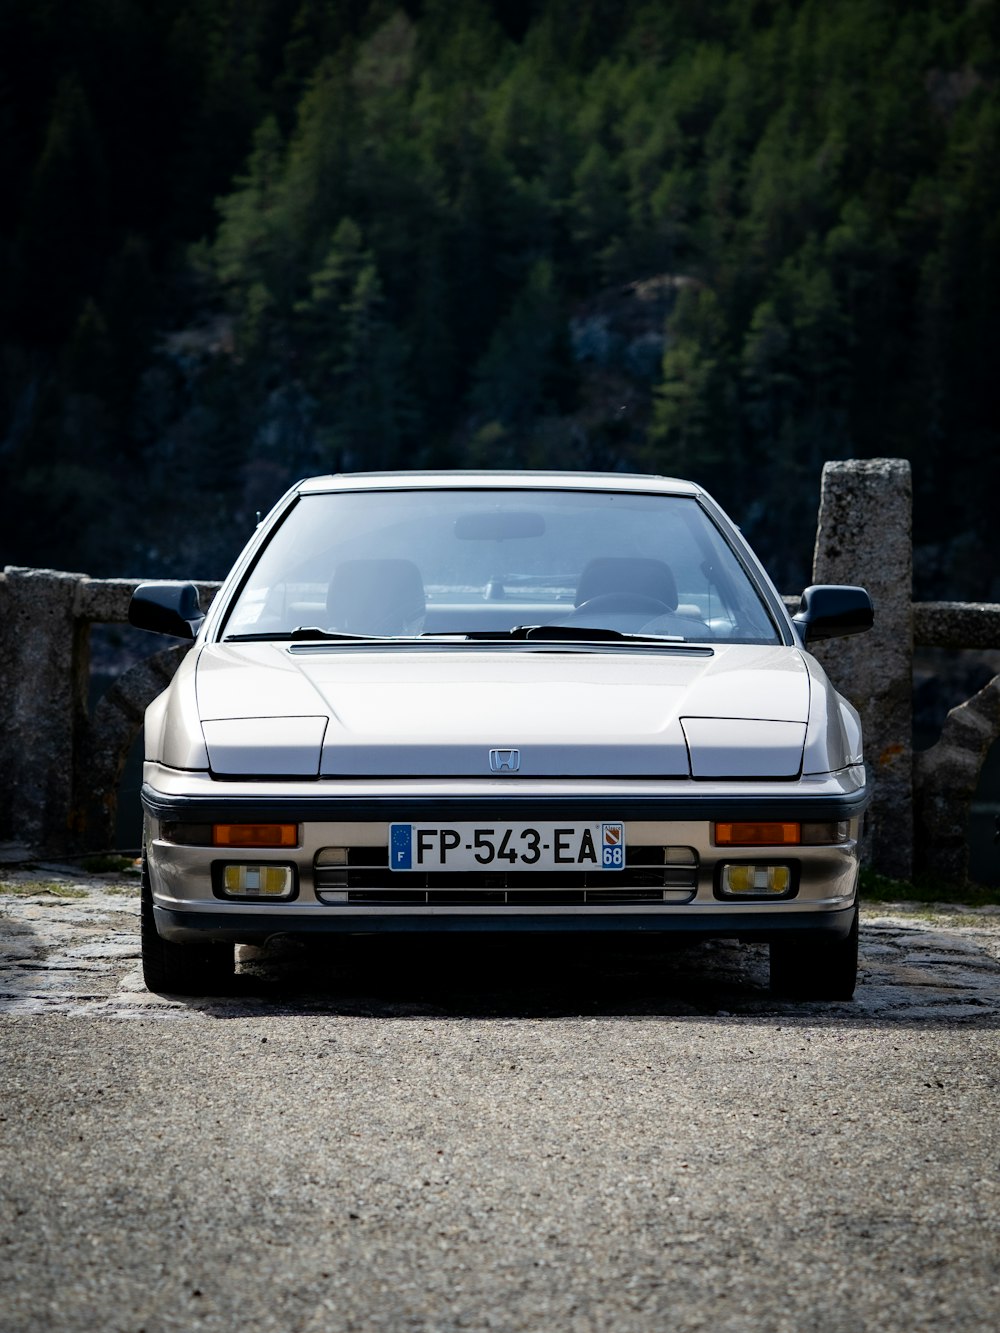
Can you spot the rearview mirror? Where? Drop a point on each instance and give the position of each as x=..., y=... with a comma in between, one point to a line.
x=832, y=610
x=167, y=608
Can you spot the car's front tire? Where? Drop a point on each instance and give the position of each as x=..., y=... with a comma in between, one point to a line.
x=817, y=969
x=180, y=969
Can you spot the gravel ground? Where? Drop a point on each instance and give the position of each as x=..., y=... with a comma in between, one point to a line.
x=494, y=1137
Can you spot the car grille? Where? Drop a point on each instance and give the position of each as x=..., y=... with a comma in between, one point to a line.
x=362, y=877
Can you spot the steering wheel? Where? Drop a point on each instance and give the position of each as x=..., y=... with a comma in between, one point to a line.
x=636, y=603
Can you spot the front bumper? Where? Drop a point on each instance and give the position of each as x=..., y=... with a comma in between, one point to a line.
x=743, y=924
x=676, y=816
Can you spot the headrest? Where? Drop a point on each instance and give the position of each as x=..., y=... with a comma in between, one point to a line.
x=627, y=574
x=376, y=597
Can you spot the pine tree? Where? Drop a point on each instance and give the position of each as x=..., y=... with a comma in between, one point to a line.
x=62, y=239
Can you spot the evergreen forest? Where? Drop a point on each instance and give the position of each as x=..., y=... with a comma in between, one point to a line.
x=249, y=240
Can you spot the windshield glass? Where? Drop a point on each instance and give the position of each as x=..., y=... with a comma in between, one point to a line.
x=486, y=562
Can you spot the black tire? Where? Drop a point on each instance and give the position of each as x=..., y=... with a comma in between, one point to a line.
x=817, y=969
x=181, y=969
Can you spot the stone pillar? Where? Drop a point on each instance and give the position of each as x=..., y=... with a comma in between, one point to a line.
x=44, y=663
x=864, y=536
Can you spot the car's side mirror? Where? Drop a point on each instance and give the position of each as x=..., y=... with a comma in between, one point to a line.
x=830, y=610
x=167, y=608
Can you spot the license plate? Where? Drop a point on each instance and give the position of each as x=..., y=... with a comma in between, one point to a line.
x=475, y=847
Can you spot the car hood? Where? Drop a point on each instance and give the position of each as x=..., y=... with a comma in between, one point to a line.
x=316, y=710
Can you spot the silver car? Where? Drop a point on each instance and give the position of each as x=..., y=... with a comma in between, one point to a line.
x=500, y=702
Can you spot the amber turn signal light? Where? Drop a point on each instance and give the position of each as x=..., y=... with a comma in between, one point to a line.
x=255, y=835
x=772, y=833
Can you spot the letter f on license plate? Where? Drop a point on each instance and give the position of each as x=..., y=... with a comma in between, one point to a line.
x=401, y=847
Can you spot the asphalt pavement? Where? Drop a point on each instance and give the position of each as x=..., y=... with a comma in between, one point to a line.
x=560, y=1136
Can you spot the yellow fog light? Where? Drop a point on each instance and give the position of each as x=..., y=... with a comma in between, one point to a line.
x=257, y=881
x=754, y=880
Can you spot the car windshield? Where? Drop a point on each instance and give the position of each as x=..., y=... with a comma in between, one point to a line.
x=482, y=563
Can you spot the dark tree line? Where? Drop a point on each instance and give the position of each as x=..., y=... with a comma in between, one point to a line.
x=251, y=239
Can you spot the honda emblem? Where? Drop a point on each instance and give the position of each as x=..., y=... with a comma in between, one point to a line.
x=505, y=761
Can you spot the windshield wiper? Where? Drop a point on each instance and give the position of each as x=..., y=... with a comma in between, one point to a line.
x=303, y=633
x=589, y=634
x=542, y=633
x=566, y=633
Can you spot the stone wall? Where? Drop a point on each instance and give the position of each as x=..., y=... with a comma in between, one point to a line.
x=944, y=782
x=60, y=765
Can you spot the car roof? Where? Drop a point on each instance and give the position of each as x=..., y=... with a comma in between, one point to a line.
x=462, y=480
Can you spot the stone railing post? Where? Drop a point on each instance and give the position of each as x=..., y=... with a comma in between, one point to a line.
x=864, y=535
x=44, y=667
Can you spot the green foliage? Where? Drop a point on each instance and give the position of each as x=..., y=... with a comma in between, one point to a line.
x=876, y=888
x=58, y=246
x=36, y=888
x=252, y=240
x=517, y=378
x=692, y=426
x=108, y=864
